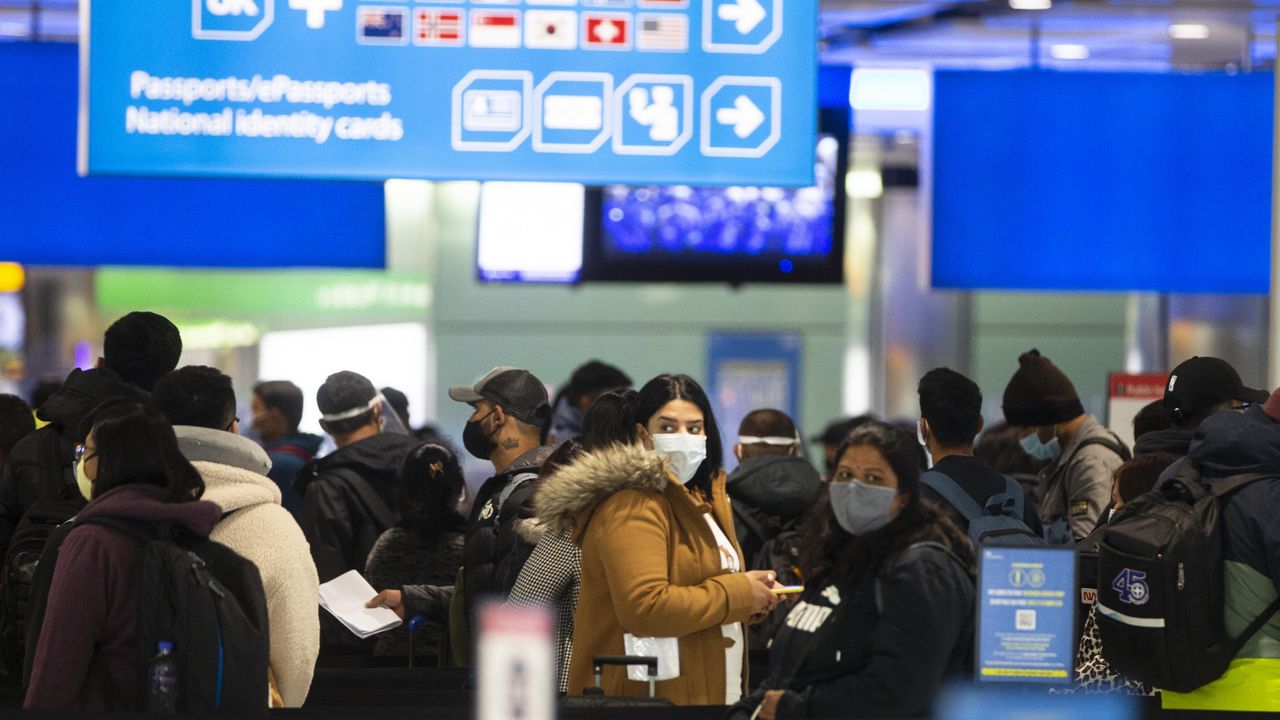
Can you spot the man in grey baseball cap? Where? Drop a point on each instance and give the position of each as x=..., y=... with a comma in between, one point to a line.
x=507, y=426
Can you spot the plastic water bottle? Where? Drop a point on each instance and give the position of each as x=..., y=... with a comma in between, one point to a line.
x=162, y=681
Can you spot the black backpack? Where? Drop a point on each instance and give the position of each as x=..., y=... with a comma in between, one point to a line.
x=781, y=554
x=208, y=601
x=58, y=503
x=998, y=522
x=1161, y=587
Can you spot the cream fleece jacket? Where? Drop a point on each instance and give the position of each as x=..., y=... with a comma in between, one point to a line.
x=265, y=534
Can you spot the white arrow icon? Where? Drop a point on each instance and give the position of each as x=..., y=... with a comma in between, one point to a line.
x=745, y=15
x=744, y=116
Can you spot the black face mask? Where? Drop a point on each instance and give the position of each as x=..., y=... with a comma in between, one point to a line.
x=476, y=441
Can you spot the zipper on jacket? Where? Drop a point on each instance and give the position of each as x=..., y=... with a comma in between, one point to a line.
x=1182, y=577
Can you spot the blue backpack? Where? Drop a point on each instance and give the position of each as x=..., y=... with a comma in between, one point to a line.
x=998, y=523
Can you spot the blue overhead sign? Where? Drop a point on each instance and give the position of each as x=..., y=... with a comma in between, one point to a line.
x=1026, y=614
x=594, y=91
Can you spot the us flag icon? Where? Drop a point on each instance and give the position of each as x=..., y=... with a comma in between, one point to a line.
x=438, y=27
x=606, y=31
x=662, y=32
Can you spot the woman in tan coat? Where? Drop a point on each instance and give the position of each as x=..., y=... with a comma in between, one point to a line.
x=660, y=562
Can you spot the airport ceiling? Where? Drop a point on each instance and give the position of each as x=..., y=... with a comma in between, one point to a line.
x=1152, y=35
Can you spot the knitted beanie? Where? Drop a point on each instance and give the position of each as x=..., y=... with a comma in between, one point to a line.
x=1040, y=394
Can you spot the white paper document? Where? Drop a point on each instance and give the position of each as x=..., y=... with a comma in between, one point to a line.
x=344, y=597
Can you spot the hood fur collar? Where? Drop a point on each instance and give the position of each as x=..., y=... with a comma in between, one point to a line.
x=591, y=479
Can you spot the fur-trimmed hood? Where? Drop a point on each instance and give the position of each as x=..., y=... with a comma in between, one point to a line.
x=592, y=478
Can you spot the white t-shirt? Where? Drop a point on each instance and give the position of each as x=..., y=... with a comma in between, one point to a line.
x=735, y=654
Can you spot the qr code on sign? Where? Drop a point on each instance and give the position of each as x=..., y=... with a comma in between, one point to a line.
x=1025, y=620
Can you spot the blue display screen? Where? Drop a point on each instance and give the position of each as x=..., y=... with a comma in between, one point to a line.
x=49, y=216
x=1102, y=181
x=736, y=234
x=726, y=221
x=734, y=220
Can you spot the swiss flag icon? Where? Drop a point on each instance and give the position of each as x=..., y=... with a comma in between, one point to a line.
x=606, y=31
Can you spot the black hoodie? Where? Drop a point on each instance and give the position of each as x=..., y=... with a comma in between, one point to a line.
x=1172, y=440
x=348, y=500
x=40, y=465
x=770, y=494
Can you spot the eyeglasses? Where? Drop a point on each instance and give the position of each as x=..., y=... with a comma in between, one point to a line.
x=233, y=423
x=83, y=453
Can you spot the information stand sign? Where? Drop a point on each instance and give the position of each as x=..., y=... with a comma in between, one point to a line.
x=1026, y=615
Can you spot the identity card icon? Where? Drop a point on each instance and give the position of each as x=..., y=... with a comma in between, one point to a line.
x=741, y=116
x=653, y=114
x=490, y=110
x=572, y=112
x=748, y=27
x=230, y=19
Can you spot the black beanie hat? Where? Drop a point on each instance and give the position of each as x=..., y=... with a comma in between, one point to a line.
x=1040, y=394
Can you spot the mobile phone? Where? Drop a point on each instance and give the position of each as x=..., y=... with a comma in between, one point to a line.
x=788, y=590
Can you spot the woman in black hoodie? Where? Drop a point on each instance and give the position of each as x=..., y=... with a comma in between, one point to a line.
x=887, y=613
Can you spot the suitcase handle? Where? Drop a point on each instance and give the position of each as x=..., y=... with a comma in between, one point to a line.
x=415, y=624
x=650, y=663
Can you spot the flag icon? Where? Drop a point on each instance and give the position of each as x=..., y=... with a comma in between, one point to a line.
x=606, y=31
x=382, y=25
x=438, y=27
x=551, y=29
x=662, y=32
x=495, y=28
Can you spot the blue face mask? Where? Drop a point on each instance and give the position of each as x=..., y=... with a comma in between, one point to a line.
x=861, y=508
x=1042, y=451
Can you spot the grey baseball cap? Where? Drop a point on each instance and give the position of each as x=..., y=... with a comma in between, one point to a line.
x=516, y=390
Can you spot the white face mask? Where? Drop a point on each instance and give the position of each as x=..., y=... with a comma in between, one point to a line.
x=920, y=438
x=683, y=451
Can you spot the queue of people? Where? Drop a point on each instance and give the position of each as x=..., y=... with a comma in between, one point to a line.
x=778, y=589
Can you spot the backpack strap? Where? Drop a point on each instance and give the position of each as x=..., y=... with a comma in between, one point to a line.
x=955, y=496
x=1237, y=644
x=367, y=496
x=294, y=450
x=54, y=485
x=1013, y=489
x=1228, y=485
x=1008, y=503
x=1110, y=442
x=513, y=485
x=1220, y=489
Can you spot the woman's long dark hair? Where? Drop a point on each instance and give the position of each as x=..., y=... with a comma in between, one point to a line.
x=427, y=488
x=663, y=389
x=609, y=421
x=832, y=552
x=135, y=445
